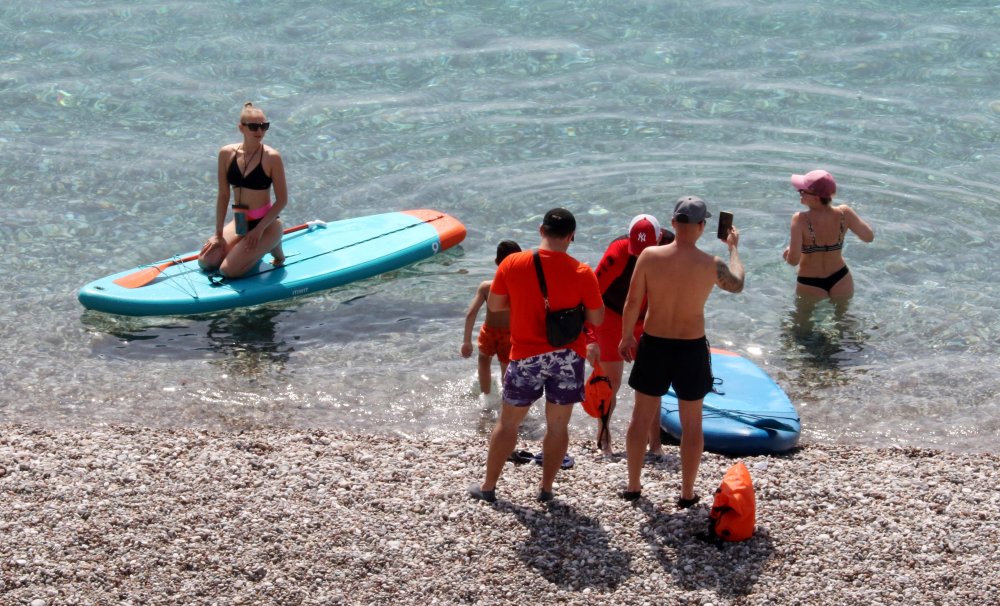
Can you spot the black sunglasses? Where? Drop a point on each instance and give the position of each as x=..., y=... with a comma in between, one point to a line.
x=255, y=126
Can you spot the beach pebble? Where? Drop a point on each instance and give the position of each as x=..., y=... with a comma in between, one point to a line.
x=267, y=516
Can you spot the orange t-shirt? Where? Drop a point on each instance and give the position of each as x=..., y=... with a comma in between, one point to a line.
x=569, y=283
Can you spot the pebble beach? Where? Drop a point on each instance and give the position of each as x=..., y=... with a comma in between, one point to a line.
x=127, y=516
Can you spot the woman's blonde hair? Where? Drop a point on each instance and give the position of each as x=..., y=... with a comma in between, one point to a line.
x=248, y=110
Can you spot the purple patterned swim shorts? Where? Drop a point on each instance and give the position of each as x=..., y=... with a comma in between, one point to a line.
x=560, y=374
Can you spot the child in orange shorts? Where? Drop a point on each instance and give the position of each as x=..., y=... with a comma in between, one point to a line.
x=494, y=335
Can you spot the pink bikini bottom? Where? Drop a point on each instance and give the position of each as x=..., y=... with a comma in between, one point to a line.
x=258, y=213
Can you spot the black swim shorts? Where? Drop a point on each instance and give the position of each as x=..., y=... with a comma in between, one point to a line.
x=684, y=363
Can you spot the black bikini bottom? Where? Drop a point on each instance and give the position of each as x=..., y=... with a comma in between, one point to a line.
x=252, y=223
x=825, y=283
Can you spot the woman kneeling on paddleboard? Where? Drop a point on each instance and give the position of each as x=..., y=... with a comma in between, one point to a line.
x=250, y=169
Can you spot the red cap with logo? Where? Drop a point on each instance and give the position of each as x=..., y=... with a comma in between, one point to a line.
x=643, y=231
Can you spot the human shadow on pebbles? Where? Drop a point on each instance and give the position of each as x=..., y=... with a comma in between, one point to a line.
x=696, y=559
x=569, y=549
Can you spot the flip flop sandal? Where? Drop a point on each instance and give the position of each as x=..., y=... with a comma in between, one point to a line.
x=490, y=496
x=686, y=503
x=520, y=457
x=567, y=462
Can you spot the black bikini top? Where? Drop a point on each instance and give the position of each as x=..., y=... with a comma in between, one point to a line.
x=826, y=247
x=257, y=179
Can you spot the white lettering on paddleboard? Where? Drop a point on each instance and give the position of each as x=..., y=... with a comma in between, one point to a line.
x=299, y=291
x=435, y=247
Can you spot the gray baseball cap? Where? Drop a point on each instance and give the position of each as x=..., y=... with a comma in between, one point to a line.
x=690, y=209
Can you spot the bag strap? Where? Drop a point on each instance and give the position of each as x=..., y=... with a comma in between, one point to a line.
x=541, y=277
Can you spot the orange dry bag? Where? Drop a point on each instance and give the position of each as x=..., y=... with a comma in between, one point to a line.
x=734, y=511
x=597, y=394
x=597, y=399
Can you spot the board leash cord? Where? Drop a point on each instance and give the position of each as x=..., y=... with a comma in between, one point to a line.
x=717, y=414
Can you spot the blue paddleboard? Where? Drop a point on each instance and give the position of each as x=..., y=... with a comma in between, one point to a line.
x=750, y=415
x=318, y=256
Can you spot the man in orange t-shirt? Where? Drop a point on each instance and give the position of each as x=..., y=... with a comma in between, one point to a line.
x=537, y=367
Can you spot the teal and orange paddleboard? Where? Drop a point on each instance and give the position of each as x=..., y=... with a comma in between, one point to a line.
x=318, y=256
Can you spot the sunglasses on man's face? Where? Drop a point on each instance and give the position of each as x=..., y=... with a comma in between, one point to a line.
x=255, y=126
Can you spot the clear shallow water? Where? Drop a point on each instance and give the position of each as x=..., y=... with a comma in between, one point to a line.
x=114, y=112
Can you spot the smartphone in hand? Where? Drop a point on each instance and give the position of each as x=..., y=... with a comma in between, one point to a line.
x=725, y=223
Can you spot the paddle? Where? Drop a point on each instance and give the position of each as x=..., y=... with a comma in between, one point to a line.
x=761, y=423
x=147, y=275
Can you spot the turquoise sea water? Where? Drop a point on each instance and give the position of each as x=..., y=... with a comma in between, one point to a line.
x=113, y=112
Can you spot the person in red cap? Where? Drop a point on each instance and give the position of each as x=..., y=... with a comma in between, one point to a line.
x=614, y=273
x=817, y=238
x=674, y=281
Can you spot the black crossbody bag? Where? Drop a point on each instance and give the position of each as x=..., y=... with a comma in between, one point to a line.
x=562, y=326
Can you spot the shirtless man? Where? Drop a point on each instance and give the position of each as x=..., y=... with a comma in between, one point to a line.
x=673, y=348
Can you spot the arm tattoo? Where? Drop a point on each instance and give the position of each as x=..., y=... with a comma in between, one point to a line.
x=729, y=279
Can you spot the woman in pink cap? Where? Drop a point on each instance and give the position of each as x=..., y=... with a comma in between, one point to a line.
x=817, y=239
